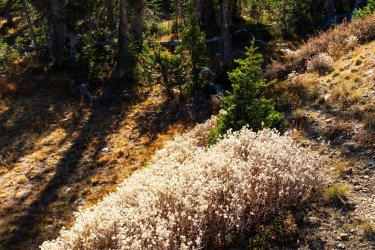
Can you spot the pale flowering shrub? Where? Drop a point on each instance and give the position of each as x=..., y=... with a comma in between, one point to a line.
x=352, y=42
x=191, y=194
x=322, y=63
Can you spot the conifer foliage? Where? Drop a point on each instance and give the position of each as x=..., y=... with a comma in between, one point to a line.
x=194, y=42
x=246, y=104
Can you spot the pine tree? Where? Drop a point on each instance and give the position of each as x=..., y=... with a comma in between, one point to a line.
x=194, y=42
x=246, y=104
x=158, y=66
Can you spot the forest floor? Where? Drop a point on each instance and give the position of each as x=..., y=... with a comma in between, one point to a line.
x=57, y=155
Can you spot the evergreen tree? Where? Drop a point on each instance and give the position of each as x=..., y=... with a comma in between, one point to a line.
x=246, y=104
x=194, y=43
x=158, y=66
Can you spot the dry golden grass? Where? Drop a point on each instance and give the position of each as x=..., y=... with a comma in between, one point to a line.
x=337, y=42
x=339, y=167
x=369, y=120
x=368, y=229
x=57, y=143
x=347, y=94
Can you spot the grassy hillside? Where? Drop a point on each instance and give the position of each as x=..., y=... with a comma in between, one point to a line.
x=311, y=186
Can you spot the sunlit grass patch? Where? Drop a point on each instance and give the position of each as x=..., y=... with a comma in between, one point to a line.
x=336, y=194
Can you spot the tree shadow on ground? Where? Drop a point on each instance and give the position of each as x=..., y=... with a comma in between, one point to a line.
x=189, y=111
x=23, y=125
x=79, y=162
x=69, y=170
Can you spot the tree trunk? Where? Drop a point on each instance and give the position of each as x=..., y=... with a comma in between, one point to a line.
x=225, y=22
x=236, y=10
x=29, y=23
x=57, y=31
x=73, y=44
x=111, y=20
x=180, y=12
x=283, y=16
x=8, y=13
x=137, y=24
x=205, y=11
x=123, y=41
x=330, y=9
x=123, y=29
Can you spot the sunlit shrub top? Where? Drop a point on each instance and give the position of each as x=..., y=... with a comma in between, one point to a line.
x=192, y=196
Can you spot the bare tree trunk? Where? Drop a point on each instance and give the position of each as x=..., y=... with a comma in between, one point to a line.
x=180, y=12
x=137, y=24
x=123, y=41
x=205, y=11
x=236, y=9
x=57, y=31
x=330, y=9
x=109, y=7
x=226, y=41
x=73, y=44
x=8, y=13
x=123, y=29
x=283, y=16
x=29, y=23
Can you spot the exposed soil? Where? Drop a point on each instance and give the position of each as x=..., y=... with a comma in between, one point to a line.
x=348, y=151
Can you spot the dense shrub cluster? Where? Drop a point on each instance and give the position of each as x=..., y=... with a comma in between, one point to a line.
x=193, y=196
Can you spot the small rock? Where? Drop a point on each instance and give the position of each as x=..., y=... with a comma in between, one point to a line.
x=355, y=182
x=365, y=177
x=49, y=228
x=349, y=171
x=78, y=202
x=352, y=231
x=351, y=146
x=312, y=220
x=105, y=150
x=344, y=236
x=327, y=96
x=341, y=246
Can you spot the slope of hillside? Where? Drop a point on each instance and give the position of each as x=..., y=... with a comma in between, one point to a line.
x=340, y=109
x=335, y=119
x=57, y=154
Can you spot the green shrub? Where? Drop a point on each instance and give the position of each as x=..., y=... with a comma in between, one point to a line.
x=158, y=66
x=336, y=193
x=93, y=59
x=366, y=11
x=246, y=104
x=7, y=55
x=194, y=44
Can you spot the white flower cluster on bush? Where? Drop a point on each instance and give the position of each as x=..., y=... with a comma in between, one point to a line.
x=322, y=63
x=191, y=194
